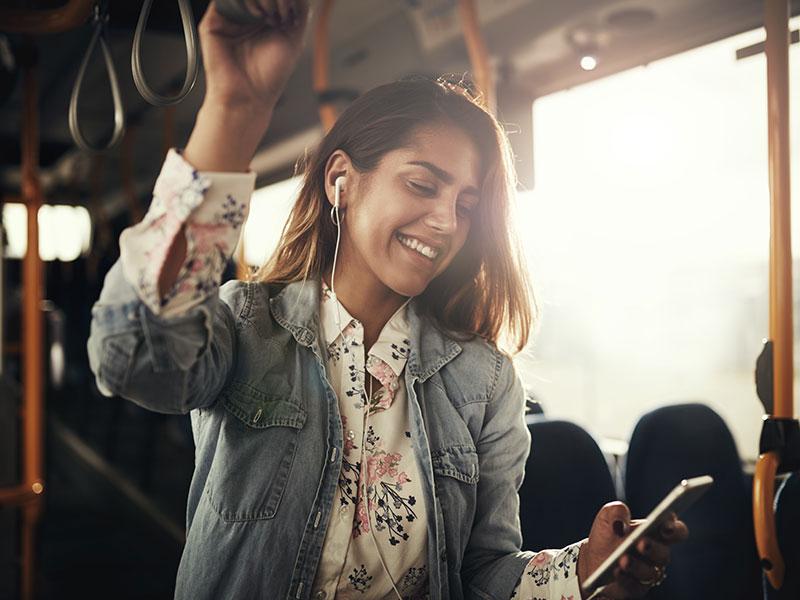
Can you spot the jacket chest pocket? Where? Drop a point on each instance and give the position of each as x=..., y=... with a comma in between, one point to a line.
x=255, y=453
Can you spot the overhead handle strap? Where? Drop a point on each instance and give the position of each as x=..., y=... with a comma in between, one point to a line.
x=100, y=20
x=192, y=63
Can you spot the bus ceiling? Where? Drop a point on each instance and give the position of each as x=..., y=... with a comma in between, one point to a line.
x=534, y=47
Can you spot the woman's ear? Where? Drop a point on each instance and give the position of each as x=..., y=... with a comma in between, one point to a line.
x=338, y=168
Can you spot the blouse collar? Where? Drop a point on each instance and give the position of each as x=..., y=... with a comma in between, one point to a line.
x=393, y=343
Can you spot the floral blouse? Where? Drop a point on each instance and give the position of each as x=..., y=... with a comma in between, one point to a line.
x=380, y=517
x=376, y=542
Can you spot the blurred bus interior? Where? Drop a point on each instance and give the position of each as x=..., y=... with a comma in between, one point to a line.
x=640, y=134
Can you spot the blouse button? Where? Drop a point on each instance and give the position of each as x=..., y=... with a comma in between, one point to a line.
x=321, y=595
x=351, y=435
x=393, y=385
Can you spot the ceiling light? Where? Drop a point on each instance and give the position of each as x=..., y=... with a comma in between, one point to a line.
x=588, y=63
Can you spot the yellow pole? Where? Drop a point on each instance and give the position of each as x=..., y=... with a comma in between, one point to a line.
x=776, y=20
x=327, y=111
x=33, y=403
x=478, y=53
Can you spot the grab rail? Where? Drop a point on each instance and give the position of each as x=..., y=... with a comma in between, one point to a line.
x=776, y=19
x=478, y=54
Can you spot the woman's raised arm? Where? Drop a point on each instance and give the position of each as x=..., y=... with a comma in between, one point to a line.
x=246, y=69
x=163, y=333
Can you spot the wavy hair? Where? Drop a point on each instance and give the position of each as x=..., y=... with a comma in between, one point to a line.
x=485, y=291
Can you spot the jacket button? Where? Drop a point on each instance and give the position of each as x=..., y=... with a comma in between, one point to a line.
x=321, y=595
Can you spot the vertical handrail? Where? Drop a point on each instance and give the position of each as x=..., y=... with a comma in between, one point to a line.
x=32, y=459
x=776, y=20
x=478, y=54
x=320, y=66
x=28, y=494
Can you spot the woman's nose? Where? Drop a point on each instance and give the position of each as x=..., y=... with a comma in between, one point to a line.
x=442, y=216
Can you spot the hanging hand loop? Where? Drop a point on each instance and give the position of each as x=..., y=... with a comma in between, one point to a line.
x=99, y=22
x=192, y=63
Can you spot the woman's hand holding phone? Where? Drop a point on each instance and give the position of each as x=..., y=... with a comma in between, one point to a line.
x=637, y=571
x=246, y=69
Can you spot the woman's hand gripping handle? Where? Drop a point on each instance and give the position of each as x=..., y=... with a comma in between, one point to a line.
x=246, y=69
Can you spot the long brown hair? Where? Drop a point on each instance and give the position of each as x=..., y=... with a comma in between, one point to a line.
x=485, y=290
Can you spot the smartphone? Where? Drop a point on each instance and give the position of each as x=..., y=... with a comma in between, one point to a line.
x=679, y=499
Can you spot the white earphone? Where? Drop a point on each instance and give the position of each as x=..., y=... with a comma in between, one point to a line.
x=337, y=189
x=337, y=192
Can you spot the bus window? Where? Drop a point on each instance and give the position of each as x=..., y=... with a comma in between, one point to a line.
x=647, y=234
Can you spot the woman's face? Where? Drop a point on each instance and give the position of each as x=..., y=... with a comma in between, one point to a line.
x=405, y=221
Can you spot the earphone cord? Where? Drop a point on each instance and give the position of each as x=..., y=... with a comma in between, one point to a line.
x=364, y=472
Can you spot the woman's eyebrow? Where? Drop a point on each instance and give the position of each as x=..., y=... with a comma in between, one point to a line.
x=442, y=175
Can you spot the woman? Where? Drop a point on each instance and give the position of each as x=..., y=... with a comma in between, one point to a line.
x=358, y=432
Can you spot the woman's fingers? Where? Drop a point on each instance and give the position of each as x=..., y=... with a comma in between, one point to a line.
x=673, y=530
x=652, y=551
x=627, y=585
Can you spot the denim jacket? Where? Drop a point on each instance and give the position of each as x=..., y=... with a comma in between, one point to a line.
x=248, y=365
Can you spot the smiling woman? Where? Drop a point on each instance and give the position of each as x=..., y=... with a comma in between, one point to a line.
x=366, y=442
x=424, y=161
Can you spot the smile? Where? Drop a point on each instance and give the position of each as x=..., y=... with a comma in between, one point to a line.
x=414, y=244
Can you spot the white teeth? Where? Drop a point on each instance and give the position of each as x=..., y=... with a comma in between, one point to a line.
x=414, y=244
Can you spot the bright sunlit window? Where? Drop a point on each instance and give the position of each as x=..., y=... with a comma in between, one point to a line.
x=65, y=232
x=269, y=210
x=647, y=233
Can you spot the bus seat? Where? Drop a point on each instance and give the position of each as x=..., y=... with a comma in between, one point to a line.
x=719, y=559
x=787, y=524
x=566, y=482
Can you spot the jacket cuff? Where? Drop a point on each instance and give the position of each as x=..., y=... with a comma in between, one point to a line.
x=213, y=206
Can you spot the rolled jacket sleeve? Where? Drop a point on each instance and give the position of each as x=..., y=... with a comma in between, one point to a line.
x=173, y=354
x=213, y=207
x=494, y=566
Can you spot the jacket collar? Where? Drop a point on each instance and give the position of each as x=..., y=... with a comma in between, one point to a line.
x=296, y=308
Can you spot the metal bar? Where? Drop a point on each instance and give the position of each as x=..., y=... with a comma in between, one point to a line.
x=776, y=21
x=32, y=459
x=764, y=518
x=72, y=14
x=321, y=58
x=478, y=53
x=116, y=479
x=756, y=49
